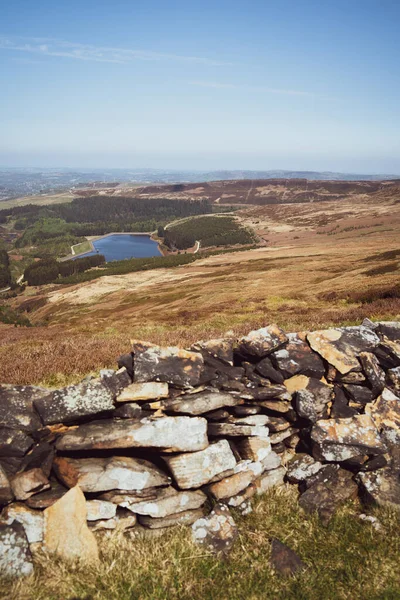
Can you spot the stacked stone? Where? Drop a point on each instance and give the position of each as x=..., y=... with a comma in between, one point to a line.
x=172, y=432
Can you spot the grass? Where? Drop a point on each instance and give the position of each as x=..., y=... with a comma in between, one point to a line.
x=349, y=559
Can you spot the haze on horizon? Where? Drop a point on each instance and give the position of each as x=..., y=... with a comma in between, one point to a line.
x=301, y=85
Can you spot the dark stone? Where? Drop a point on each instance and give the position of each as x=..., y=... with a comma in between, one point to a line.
x=221, y=349
x=298, y=358
x=382, y=486
x=217, y=532
x=388, y=354
x=374, y=463
x=311, y=400
x=72, y=403
x=284, y=560
x=374, y=373
x=267, y=369
x=6, y=494
x=325, y=497
x=245, y=410
x=389, y=329
x=340, y=408
x=16, y=407
x=360, y=394
x=233, y=386
x=130, y=410
x=261, y=342
x=41, y=456
x=115, y=381
x=126, y=360
x=47, y=498
x=15, y=557
x=170, y=365
x=217, y=415
x=271, y=392
x=14, y=442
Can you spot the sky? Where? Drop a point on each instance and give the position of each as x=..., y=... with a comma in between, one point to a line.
x=221, y=84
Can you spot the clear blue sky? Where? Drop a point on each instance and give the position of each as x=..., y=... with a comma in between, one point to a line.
x=256, y=84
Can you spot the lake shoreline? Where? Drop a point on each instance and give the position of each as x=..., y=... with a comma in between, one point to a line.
x=94, y=238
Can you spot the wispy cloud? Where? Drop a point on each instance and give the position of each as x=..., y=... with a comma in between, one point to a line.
x=88, y=52
x=252, y=88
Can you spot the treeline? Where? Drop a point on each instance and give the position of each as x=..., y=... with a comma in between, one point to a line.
x=106, y=209
x=5, y=273
x=49, y=270
x=209, y=231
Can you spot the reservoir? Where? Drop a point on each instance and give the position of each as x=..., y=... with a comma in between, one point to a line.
x=125, y=245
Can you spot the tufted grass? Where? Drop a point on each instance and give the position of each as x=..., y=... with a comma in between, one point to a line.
x=347, y=560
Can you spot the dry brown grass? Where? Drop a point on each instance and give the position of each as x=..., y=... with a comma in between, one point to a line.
x=349, y=559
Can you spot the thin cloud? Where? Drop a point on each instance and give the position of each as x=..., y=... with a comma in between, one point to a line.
x=252, y=88
x=88, y=52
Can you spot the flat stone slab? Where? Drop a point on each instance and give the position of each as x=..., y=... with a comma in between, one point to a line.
x=337, y=440
x=297, y=357
x=26, y=484
x=341, y=346
x=198, y=468
x=151, y=390
x=98, y=510
x=178, y=434
x=382, y=486
x=233, y=430
x=31, y=520
x=168, y=502
x=301, y=467
x=186, y=517
x=14, y=442
x=103, y=474
x=231, y=486
x=173, y=365
x=16, y=407
x=217, y=532
x=311, y=396
x=385, y=412
x=220, y=348
x=15, y=557
x=284, y=560
x=197, y=404
x=69, y=404
x=270, y=479
x=325, y=496
x=262, y=341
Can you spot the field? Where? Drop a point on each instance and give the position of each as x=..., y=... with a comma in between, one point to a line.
x=346, y=560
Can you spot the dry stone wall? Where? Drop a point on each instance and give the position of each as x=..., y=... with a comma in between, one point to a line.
x=182, y=436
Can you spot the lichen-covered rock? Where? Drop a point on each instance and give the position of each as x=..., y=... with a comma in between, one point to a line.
x=48, y=496
x=28, y=483
x=15, y=557
x=151, y=390
x=65, y=529
x=217, y=532
x=89, y=398
x=337, y=440
x=254, y=448
x=194, y=469
x=169, y=365
x=262, y=341
x=115, y=381
x=100, y=509
x=373, y=371
x=6, y=494
x=385, y=412
x=16, y=407
x=388, y=329
x=196, y=404
x=231, y=486
x=266, y=369
x=186, y=517
x=388, y=354
x=382, y=486
x=298, y=358
x=169, y=502
x=221, y=348
x=109, y=473
x=327, y=494
x=233, y=430
x=311, y=396
x=341, y=346
x=123, y=520
x=14, y=442
x=178, y=434
x=31, y=520
x=301, y=467
x=284, y=560
x=270, y=479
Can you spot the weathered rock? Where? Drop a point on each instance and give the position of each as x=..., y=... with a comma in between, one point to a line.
x=297, y=357
x=340, y=439
x=100, y=509
x=324, y=497
x=262, y=341
x=6, y=494
x=48, y=497
x=341, y=346
x=394, y=378
x=374, y=373
x=127, y=497
x=388, y=354
x=126, y=361
x=254, y=448
x=151, y=390
x=284, y=560
x=359, y=394
x=245, y=410
x=111, y=473
x=340, y=408
x=198, y=468
x=31, y=520
x=280, y=436
x=168, y=502
x=115, y=381
x=231, y=486
x=178, y=434
x=241, y=500
x=28, y=483
x=267, y=369
x=279, y=406
x=14, y=442
x=270, y=479
x=217, y=532
x=233, y=430
x=388, y=329
x=312, y=396
x=221, y=348
x=65, y=530
x=353, y=377
x=301, y=467
x=170, y=365
x=124, y=520
x=382, y=486
x=15, y=557
x=16, y=407
x=270, y=392
x=186, y=517
x=89, y=398
x=271, y=462
x=252, y=420
x=197, y=404
x=385, y=412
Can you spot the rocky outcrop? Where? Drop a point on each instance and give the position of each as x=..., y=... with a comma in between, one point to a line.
x=157, y=442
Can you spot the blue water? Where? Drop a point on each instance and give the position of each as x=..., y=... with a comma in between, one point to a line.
x=119, y=247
